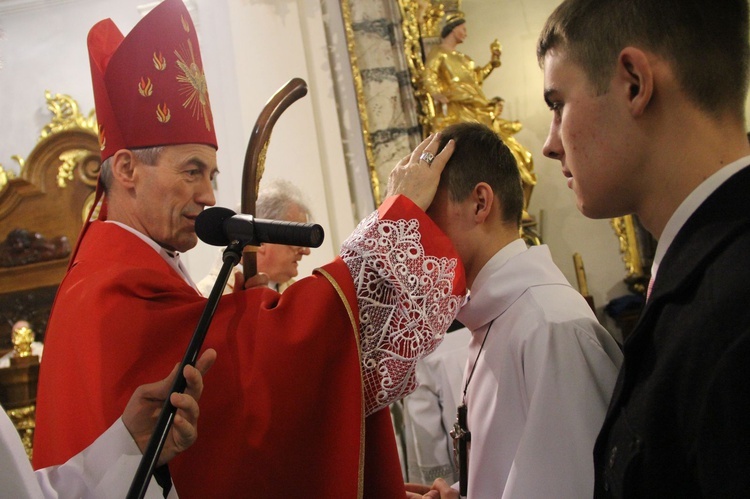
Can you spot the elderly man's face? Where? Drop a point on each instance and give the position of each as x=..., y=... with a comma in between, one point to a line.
x=171, y=194
x=280, y=261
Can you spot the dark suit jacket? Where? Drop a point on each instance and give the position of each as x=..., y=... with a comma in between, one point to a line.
x=679, y=420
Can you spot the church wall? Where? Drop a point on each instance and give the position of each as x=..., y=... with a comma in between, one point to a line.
x=267, y=44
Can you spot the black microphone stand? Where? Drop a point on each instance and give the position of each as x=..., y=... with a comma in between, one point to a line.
x=146, y=467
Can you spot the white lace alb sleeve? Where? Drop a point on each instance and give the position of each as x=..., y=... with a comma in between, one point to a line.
x=405, y=304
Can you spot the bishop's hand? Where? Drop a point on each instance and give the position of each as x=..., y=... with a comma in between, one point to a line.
x=417, y=175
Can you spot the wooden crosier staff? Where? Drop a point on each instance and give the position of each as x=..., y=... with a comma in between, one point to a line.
x=255, y=157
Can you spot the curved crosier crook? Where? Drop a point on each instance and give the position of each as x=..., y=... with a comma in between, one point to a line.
x=255, y=156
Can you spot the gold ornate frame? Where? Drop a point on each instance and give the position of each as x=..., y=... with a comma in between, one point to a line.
x=637, y=258
x=361, y=102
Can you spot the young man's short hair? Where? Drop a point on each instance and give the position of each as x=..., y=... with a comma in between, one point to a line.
x=705, y=41
x=481, y=156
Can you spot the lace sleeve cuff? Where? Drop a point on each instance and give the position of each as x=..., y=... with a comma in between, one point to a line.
x=408, y=292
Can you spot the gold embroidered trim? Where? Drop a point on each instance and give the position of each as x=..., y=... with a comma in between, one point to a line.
x=361, y=484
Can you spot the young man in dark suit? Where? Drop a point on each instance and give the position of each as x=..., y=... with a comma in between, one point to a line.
x=648, y=101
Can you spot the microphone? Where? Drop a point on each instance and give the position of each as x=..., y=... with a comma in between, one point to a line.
x=220, y=226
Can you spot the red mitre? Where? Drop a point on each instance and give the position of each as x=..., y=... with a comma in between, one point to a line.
x=149, y=87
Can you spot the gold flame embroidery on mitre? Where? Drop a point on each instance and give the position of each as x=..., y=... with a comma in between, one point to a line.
x=145, y=87
x=163, y=114
x=160, y=62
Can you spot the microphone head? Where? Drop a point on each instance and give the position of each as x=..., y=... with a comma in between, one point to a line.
x=209, y=225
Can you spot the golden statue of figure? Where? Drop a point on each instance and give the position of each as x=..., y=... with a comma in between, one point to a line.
x=22, y=337
x=454, y=82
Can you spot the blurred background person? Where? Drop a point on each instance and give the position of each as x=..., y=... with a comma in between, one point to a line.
x=277, y=200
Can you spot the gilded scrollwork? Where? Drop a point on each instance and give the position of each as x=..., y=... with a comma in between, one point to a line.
x=70, y=159
x=65, y=116
x=5, y=175
x=24, y=419
x=83, y=160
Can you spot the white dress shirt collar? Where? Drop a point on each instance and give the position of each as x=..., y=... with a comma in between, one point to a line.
x=690, y=204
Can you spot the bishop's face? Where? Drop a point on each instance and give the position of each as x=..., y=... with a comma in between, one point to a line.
x=172, y=193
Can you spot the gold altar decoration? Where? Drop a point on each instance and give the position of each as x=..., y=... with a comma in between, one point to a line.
x=66, y=116
x=47, y=196
x=70, y=159
x=5, y=175
x=439, y=72
x=44, y=198
x=24, y=419
x=18, y=385
x=420, y=22
x=450, y=84
x=636, y=260
x=22, y=338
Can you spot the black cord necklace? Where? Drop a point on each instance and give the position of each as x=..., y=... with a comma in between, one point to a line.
x=481, y=347
x=460, y=432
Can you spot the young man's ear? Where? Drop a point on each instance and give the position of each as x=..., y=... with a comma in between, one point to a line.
x=635, y=79
x=483, y=199
x=123, y=168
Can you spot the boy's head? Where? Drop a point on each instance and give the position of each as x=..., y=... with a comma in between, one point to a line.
x=481, y=156
x=479, y=201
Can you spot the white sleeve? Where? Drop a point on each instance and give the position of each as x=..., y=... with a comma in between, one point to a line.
x=569, y=380
x=428, y=447
x=104, y=469
x=430, y=411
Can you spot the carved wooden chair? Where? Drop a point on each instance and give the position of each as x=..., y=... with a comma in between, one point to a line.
x=41, y=213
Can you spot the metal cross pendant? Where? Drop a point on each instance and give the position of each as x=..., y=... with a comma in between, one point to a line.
x=461, y=439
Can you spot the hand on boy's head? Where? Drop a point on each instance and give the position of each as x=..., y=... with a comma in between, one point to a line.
x=417, y=175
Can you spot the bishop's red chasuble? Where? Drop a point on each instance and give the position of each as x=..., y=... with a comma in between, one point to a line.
x=296, y=404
